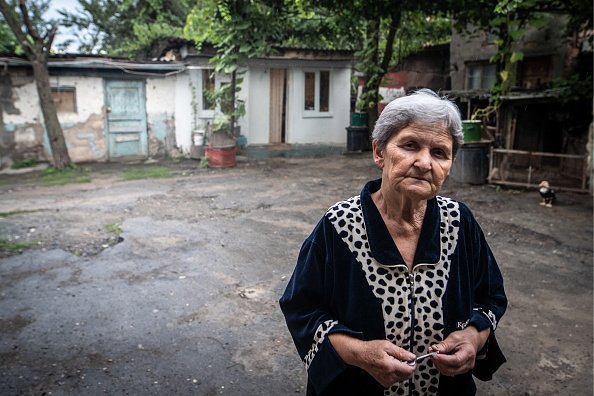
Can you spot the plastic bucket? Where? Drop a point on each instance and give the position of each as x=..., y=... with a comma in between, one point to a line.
x=198, y=138
x=471, y=130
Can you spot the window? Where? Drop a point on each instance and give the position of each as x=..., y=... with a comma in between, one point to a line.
x=208, y=87
x=64, y=99
x=536, y=72
x=317, y=91
x=480, y=75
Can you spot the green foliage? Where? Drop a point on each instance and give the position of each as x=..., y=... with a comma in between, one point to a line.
x=223, y=96
x=315, y=24
x=419, y=30
x=114, y=229
x=58, y=177
x=25, y=163
x=512, y=20
x=573, y=89
x=16, y=212
x=125, y=27
x=11, y=247
x=146, y=173
x=14, y=36
x=239, y=30
x=383, y=32
x=8, y=42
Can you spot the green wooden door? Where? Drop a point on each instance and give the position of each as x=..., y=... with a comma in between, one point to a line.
x=126, y=119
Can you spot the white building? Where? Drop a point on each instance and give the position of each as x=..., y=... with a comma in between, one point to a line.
x=113, y=109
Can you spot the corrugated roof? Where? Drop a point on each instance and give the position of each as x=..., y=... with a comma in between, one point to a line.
x=76, y=62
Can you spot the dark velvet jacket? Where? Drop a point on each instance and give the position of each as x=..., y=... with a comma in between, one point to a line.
x=351, y=279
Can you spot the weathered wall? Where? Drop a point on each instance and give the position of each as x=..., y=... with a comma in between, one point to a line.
x=84, y=129
x=21, y=136
x=477, y=46
x=23, y=132
x=160, y=109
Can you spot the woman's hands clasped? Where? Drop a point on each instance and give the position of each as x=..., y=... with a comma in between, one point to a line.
x=383, y=360
x=457, y=353
x=388, y=363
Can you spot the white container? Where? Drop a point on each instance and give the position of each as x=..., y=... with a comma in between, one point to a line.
x=198, y=138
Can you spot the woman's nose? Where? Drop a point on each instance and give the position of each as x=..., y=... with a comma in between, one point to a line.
x=423, y=160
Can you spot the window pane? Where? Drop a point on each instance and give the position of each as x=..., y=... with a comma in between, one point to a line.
x=310, y=91
x=208, y=86
x=473, y=80
x=64, y=99
x=489, y=76
x=535, y=72
x=324, y=91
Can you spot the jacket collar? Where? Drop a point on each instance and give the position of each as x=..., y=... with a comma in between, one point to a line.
x=383, y=248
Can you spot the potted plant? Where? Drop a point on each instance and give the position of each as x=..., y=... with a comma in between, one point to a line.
x=222, y=134
x=359, y=117
x=238, y=31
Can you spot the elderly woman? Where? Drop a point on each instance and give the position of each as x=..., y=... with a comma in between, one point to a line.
x=398, y=272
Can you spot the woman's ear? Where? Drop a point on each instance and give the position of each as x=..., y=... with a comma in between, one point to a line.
x=378, y=155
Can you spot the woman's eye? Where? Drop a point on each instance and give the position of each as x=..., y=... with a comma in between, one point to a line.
x=439, y=153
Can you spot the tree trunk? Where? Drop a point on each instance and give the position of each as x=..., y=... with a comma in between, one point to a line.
x=375, y=74
x=60, y=156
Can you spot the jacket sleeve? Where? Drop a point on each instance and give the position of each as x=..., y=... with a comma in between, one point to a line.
x=490, y=302
x=306, y=307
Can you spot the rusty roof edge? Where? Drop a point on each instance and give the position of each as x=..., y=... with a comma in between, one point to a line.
x=99, y=63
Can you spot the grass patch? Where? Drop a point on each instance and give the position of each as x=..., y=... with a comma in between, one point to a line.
x=114, y=229
x=60, y=177
x=146, y=173
x=13, y=247
x=15, y=212
x=25, y=163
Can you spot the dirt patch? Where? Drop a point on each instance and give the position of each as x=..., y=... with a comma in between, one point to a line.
x=184, y=301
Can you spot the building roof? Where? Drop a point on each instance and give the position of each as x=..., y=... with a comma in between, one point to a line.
x=77, y=62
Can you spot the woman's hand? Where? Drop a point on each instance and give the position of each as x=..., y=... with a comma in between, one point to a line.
x=383, y=360
x=457, y=353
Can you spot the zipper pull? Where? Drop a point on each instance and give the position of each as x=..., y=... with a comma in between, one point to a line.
x=411, y=281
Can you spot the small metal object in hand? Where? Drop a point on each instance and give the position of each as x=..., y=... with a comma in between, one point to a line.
x=421, y=358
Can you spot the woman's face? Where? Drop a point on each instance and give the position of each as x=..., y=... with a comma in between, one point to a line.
x=416, y=160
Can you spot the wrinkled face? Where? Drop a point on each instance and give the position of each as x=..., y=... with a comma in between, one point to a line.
x=416, y=160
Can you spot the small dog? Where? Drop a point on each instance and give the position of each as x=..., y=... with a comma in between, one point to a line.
x=547, y=194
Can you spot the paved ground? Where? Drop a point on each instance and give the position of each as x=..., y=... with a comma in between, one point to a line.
x=184, y=300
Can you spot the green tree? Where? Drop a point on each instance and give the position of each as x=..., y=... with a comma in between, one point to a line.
x=8, y=42
x=510, y=20
x=125, y=27
x=384, y=32
x=35, y=36
x=238, y=30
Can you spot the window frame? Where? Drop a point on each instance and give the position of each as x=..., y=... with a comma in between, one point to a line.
x=481, y=68
x=315, y=112
x=207, y=74
x=202, y=112
x=56, y=89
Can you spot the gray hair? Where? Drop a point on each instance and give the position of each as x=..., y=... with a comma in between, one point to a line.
x=423, y=107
